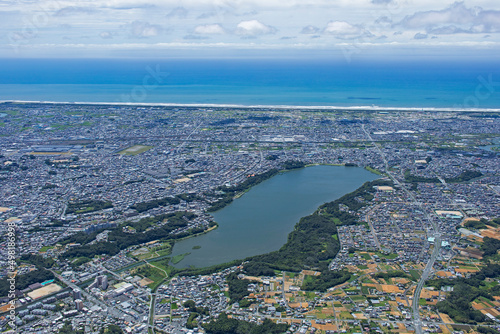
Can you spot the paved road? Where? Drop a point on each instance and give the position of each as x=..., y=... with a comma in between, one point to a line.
x=110, y=309
x=437, y=242
x=420, y=285
x=372, y=229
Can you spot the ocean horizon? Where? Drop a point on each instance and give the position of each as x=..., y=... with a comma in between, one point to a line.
x=438, y=85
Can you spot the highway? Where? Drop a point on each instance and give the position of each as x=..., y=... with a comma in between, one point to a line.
x=372, y=229
x=437, y=240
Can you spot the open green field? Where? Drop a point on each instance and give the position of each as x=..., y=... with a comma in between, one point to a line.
x=146, y=253
x=9, y=112
x=390, y=256
x=373, y=170
x=178, y=258
x=163, y=264
x=154, y=274
x=45, y=248
x=415, y=274
x=365, y=256
x=136, y=149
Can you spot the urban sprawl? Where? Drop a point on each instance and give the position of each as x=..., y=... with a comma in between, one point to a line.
x=94, y=197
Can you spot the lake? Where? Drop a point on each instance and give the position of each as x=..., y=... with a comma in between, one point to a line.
x=259, y=221
x=496, y=143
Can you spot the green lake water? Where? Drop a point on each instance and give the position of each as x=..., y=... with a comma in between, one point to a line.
x=259, y=221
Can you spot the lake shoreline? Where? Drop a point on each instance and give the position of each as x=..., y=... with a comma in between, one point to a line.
x=324, y=183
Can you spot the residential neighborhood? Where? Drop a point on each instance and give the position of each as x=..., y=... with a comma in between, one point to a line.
x=100, y=196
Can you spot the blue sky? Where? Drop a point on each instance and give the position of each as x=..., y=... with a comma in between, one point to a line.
x=273, y=28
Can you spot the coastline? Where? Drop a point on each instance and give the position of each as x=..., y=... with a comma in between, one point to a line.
x=259, y=106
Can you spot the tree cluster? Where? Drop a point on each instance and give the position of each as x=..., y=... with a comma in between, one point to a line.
x=225, y=325
x=458, y=304
x=419, y=179
x=238, y=288
x=230, y=192
x=119, y=240
x=391, y=274
x=326, y=280
x=23, y=281
x=293, y=164
x=87, y=206
x=145, y=206
x=490, y=246
x=308, y=244
x=464, y=176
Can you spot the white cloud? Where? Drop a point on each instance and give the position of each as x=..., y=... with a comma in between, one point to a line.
x=194, y=37
x=447, y=30
x=66, y=11
x=254, y=28
x=456, y=18
x=179, y=12
x=209, y=29
x=345, y=30
x=105, y=35
x=141, y=29
x=127, y=4
x=420, y=36
x=309, y=30
x=456, y=13
x=314, y=23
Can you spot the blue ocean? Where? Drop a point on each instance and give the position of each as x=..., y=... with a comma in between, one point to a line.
x=395, y=84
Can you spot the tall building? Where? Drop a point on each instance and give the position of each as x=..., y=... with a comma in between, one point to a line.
x=77, y=294
x=104, y=282
x=79, y=304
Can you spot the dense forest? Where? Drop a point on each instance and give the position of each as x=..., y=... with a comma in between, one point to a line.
x=391, y=274
x=145, y=206
x=465, y=290
x=37, y=276
x=238, y=288
x=194, y=312
x=292, y=164
x=189, y=197
x=490, y=246
x=23, y=281
x=465, y=176
x=417, y=179
x=326, y=280
x=87, y=206
x=119, y=240
x=354, y=201
x=481, y=224
x=311, y=245
x=225, y=325
x=308, y=244
x=458, y=304
x=175, y=219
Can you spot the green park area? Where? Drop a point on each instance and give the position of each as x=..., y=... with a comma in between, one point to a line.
x=136, y=149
